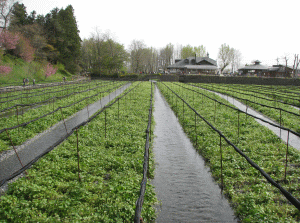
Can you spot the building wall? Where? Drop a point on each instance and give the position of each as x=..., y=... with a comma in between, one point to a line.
x=239, y=80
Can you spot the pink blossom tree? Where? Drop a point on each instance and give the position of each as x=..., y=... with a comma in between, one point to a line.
x=8, y=40
x=50, y=70
x=5, y=70
x=24, y=49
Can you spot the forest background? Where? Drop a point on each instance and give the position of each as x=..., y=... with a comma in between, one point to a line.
x=45, y=47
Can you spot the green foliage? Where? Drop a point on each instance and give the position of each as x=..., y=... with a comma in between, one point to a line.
x=189, y=51
x=34, y=69
x=54, y=37
x=251, y=196
x=110, y=171
x=103, y=55
x=29, y=131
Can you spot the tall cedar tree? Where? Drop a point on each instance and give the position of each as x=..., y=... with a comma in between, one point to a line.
x=70, y=45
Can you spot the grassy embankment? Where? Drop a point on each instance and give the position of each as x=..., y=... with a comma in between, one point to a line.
x=33, y=70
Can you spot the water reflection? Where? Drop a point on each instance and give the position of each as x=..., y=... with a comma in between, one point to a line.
x=183, y=183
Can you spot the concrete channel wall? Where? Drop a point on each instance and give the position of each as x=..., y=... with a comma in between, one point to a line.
x=211, y=79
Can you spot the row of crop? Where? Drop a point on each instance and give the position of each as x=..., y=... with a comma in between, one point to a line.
x=252, y=197
x=289, y=90
x=103, y=186
x=263, y=95
x=273, y=91
x=42, y=96
x=286, y=115
x=13, y=92
x=59, y=95
x=53, y=113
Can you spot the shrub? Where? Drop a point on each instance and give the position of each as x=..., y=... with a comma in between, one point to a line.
x=50, y=70
x=9, y=40
x=5, y=70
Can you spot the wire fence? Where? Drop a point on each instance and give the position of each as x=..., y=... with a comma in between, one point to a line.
x=288, y=196
x=270, y=93
x=56, y=110
x=69, y=132
x=140, y=200
x=254, y=102
x=49, y=99
x=243, y=112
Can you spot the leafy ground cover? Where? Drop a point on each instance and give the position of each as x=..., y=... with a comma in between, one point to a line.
x=252, y=197
x=110, y=171
x=287, y=120
x=27, y=96
x=19, y=136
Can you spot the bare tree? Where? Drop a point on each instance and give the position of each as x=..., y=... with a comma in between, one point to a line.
x=136, y=55
x=236, y=60
x=286, y=59
x=166, y=55
x=6, y=7
x=225, y=56
x=296, y=64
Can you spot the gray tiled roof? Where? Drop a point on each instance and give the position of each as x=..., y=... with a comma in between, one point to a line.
x=255, y=67
x=183, y=64
x=201, y=67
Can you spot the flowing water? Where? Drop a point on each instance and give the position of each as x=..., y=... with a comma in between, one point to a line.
x=293, y=140
x=183, y=183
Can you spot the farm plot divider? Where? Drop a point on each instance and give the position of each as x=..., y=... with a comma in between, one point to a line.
x=130, y=96
x=239, y=111
x=68, y=134
x=59, y=108
x=286, y=194
x=278, y=116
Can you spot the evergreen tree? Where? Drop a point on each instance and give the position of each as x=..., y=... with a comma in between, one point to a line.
x=70, y=45
x=19, y=16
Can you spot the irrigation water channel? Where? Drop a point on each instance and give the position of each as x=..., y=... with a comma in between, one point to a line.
x=183, y=183
x=9, y=163
x=294, y=140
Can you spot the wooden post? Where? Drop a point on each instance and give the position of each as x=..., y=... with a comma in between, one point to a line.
x=105, y=121
x=221, y=156
x=78, y=157
x=286, y=155
x=196, y=128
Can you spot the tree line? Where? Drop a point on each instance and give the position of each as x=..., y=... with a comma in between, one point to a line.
x=55, y=38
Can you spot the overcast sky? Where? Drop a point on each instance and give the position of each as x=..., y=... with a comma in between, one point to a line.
x=260, y=29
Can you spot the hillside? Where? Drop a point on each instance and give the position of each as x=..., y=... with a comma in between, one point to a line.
x=38, y=70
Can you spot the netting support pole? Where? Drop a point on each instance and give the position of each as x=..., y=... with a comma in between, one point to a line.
x=105, y=123
x=183, y=111
x=215, y=111
x=118, y=109
x=286, y=155
x=87, y=108
x=280, y=122
x=53, y=106
x=62, y=115
x=238, y=126
x=221, y=156
x=194, y=98
x=246, y=110
x=18, y=119
x=15, y=149
x=78, y=157
x=196, y=127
